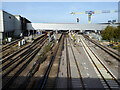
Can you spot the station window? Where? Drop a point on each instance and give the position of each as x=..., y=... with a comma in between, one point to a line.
x=10, y=17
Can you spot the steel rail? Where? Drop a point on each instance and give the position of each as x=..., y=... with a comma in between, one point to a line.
x=20, y=61
x=4, y=58
x=98, y=68
x=9, y=45
x=59, y=64
x=29, y=50
x=81, y=79
x=29, y=47
x=23, y=67
x=112, y=53
x=104, y=66
x=45, y=77
x=69, y=83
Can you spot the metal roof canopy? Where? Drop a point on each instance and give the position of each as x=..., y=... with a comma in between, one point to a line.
x=66, y=26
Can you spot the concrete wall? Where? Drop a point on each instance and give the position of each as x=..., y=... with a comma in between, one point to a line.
x=24, y=25
x=9, y=22
x=18, y=27
x=1, y=37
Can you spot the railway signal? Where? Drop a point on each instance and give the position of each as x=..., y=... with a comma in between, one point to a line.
x=94, y=12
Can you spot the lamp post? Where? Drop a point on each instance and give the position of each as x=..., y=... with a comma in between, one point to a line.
x=77, y=20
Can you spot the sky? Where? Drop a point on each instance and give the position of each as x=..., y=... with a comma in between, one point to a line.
x=59, y=12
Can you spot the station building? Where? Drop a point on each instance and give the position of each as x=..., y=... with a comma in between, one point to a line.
x=12, y=25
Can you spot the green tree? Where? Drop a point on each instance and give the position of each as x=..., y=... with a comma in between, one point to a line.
x=110, y=33
x=118, y=32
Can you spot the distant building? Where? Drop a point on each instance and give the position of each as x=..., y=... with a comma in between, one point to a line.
x=7, y=25
x=18, y=28
x=11, y=25
x=24, y=26
x=119, y=12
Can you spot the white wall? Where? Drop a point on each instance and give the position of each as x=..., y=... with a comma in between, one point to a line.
x=1, y=26
x=1, y=21
x=10, y=23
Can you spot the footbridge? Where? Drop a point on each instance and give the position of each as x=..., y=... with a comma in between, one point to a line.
x=67, y=26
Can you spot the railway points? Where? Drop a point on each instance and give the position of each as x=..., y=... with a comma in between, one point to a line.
x=63, y=61
x=17, y=67
x=56, y=55
x=60, y=56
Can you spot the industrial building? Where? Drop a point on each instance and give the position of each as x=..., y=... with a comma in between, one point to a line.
x=12, y=25
x=24, y=22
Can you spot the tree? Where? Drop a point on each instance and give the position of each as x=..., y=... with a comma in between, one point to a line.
x=110, y=33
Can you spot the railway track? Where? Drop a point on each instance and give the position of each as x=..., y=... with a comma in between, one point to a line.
x=112, y=53
x=10, y=48
x=45, y=82
x=107, y=78
x=14, y=66
x=74, y=76
x=17, y=65
x=53, y=75
x=20, y=53
x=69, y=82
x=79, y=72
x=14, y=52
x=10, y=45
x=7, y=62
